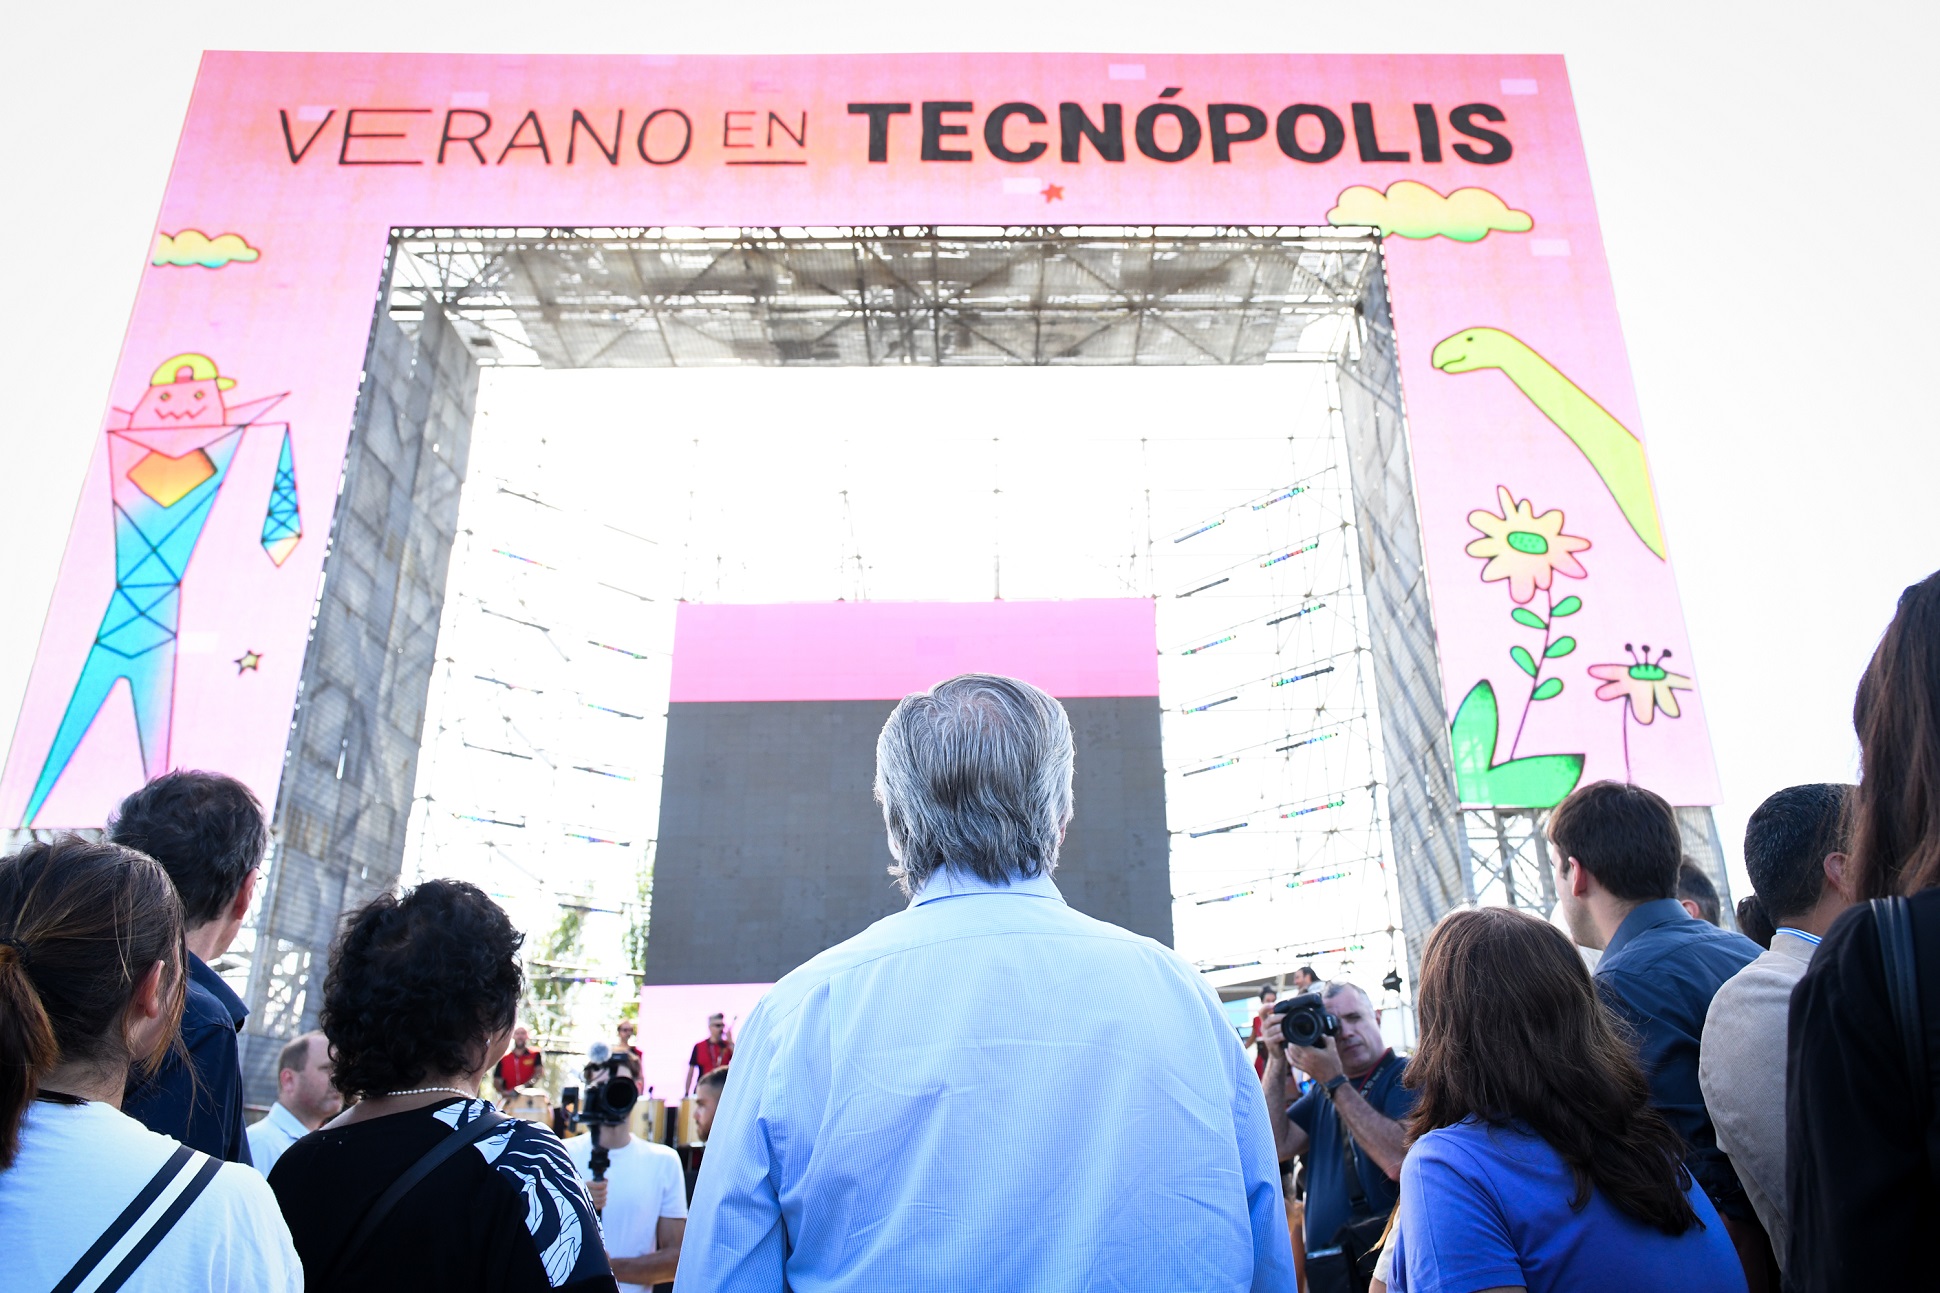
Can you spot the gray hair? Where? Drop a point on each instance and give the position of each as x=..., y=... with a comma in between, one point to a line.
x=975, y=773
x=1334, y=987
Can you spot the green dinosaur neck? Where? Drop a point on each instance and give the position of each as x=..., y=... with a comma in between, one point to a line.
x=1616, y=454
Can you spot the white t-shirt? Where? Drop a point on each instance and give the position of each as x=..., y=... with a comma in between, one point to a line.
x=644, y=1182
x=80, y=1165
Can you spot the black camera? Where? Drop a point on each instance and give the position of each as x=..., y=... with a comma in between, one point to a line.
x=1305, y=1020
x=610, y=1092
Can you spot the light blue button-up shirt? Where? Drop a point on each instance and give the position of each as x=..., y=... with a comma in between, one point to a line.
x=989, y=1090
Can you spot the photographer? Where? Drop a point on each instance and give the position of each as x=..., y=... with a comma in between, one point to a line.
x=1347, y=1127
x=643, y=1199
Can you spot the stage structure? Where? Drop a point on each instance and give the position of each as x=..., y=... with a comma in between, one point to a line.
x=267, y=518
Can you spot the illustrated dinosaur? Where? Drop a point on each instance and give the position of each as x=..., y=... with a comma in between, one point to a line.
x=1616, y=454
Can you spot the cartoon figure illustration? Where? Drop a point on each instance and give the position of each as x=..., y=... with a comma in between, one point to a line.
x=1644, y=686
x=166, y=463
x=1616, y=454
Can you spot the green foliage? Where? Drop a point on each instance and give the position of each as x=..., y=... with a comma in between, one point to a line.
x=1560, y=647
x=546, y=990
x=1527, y=618
x=1568, y=606
x=1549, y=687
x=1536, y=781
x=1524, y=661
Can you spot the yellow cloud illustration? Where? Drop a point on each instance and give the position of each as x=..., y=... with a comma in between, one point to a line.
x=1416, y=211
x=193, y=247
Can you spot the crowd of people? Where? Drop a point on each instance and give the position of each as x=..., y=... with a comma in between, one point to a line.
x=1647, y=1100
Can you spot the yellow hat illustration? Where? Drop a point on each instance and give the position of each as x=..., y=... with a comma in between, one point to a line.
x=201, y=369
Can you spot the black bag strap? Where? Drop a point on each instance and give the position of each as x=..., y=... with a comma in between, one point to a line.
x=121, y=1225
x=470, y=1134
x=163, y=1224
x=1350, y=1168
x=1895, y=919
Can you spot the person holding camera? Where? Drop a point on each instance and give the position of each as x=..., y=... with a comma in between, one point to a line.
x=1347, y=1127
x=640, y=1189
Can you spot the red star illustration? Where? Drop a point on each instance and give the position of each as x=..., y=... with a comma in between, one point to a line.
x=1054, y=192
x=248, y=660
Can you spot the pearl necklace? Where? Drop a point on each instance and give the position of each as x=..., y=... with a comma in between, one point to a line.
x=427, y=1090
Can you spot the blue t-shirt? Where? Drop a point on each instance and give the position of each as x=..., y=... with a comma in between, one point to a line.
x=1489, y=1207
x=1328, y=1194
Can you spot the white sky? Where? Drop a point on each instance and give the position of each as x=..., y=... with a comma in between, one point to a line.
x=1760, y=172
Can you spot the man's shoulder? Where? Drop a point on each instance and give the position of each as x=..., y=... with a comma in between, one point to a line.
x=928, y=929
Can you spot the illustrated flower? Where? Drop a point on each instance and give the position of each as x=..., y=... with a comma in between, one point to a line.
x=1644, y=682
x=1527, y=550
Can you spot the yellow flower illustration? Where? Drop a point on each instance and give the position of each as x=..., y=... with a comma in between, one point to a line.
x=1645, y=683
x=1526, y=549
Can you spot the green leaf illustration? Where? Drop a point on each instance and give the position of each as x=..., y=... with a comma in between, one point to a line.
x=1549, y=687
x=1527, y=618
x=1534, y=781
x=1524, y=661
x=1561, y=646
x=1537, y=781
x=1568, y=606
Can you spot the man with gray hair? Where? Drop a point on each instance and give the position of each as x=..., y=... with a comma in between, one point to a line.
x=946, y=1099
x=1347, y=1128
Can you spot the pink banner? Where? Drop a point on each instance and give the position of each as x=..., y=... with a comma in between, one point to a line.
x=886, y=650
x=177, y=628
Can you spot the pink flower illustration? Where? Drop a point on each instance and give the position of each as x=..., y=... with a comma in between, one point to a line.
x=1645, y=683
x=1526, y=549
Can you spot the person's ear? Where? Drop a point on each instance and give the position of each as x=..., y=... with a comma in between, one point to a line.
x=1835, y=873
x=240, y=907
x=149, y=999
x=1691, y=908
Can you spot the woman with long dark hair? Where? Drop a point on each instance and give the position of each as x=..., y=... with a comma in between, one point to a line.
x=420, y=1184
x=1862, y=1120
x=92, y=974
x=1536, y=1161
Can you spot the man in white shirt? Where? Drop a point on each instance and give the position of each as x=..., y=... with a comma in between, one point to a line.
x=642, y=1204
x=1795, y=855
x=305, y=1100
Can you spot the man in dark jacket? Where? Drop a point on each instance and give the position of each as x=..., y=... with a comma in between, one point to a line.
x=1617, y=853
x=208, y=832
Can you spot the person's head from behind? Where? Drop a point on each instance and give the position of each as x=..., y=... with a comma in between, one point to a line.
x=1697, y=893
x=1616, y=845
x=422, y=990
x=975, y=774
x=707, y=1100
x=1511, y=1031
x=1359, y=1043
x=1795, y=854
x=1896, y=811
x=716, y=1027
x=1305, y=979
x=91, y=972
x=208, y=832
x=303, y=1083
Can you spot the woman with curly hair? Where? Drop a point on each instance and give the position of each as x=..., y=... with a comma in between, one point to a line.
x=418, y=1007
x=1536, y=1160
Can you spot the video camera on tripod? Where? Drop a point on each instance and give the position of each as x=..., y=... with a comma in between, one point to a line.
x=608, y=1100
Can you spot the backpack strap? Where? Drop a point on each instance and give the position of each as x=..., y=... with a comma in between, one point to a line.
x=118, y=1229
x=470, y=1134
x=1894, y=917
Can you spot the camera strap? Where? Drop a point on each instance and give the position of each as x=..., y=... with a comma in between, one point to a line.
x=470, y=1134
